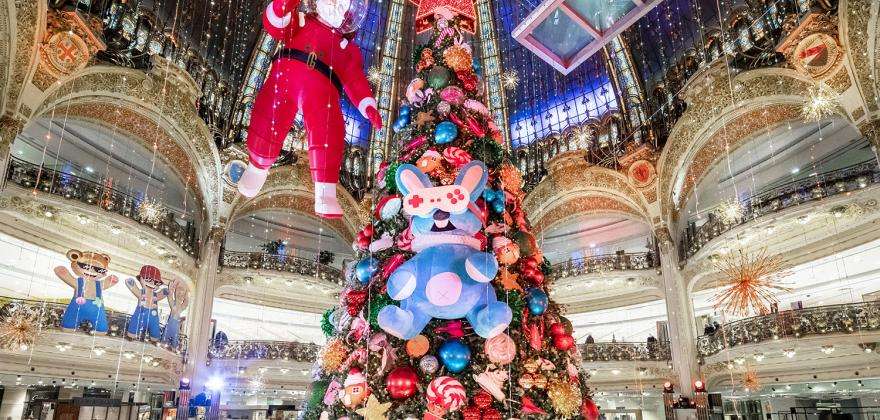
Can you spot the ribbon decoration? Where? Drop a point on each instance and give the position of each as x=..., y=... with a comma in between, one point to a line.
x=455, y=329
x=359, y=355
x=359, y=327
x=379, y=342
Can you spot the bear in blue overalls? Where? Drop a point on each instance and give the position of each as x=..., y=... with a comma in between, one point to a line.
x=146, y=290
x=89, y=280
x=449, y=277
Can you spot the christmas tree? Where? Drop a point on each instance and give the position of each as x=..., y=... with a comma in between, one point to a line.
x=446, y=313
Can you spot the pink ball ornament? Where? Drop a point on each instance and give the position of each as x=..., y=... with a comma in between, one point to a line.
x=500, y=349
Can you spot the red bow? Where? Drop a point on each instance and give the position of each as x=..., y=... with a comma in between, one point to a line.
x=455, y=329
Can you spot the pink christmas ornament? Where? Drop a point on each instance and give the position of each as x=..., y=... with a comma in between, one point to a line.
x=452, y=94
x=500, y=349
x=476, y=106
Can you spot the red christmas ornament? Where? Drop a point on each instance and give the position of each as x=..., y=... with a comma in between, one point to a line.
x=355, y=301
x=401, y=382
x=483, y=400
x=563, y=342
x=391, y=264
x=558, y=328
x=471, y=413
x=589, y=410
x=468, y=80
x=491, y=414
x=474, y=126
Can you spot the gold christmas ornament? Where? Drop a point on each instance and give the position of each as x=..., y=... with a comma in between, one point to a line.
x=565, y=397
x=334, y=355
x=20, y=329
x=751, y=281
x=511, y=178
x=458, y=58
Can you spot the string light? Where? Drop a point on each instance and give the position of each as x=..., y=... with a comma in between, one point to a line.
x=821, y=103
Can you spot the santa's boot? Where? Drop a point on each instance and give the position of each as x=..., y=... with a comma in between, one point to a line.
x=326, y=204
x=252, y=180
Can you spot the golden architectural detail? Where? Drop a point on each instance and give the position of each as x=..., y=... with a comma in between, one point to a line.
x=170, y=105
x=27, y=16
x=855, y=23
x=298, y=203
x=9, y=128
x=581, y=205
x=813, y=47
x=710, y=102
x=71, y=40
x=871, y=131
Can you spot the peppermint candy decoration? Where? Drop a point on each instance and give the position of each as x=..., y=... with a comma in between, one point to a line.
x=404, y=240
x=456, y=156
x=447, y=392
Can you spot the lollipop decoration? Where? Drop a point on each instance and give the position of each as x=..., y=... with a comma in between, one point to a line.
x=447, y=393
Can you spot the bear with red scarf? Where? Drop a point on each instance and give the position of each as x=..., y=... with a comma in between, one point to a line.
x=317, y=64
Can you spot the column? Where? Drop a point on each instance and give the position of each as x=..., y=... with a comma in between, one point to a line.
x=386, y=89
x=680, y=313
x=871, y=131
x=10, y=127
x=630, y=95
x=201, y=309
x=12, y=406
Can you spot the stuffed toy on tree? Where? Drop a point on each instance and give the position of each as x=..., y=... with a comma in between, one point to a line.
x=317, y=64
x=446, y=312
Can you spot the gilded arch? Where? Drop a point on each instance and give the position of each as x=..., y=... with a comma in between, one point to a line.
x=158, y=110
x=860, y=36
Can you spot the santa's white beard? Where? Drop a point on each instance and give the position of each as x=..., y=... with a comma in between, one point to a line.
x=333, y=12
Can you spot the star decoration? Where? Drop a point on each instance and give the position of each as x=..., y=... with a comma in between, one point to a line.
x=509, y=280
x=423, y=118
x=374, y=409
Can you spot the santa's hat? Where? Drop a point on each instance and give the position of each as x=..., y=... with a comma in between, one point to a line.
x=354, y=377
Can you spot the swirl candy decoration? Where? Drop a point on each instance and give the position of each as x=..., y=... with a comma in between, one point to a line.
x=447, y=392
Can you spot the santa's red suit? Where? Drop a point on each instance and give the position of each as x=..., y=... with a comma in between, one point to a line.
x=307, y=75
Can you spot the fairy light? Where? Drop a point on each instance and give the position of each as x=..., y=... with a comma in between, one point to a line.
x=821, y=103
x=509, y=80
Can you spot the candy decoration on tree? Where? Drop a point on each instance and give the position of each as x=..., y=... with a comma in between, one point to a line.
x=417, y=346
x=456, y=156
x=429, y=364
x=445, y=132
x=355, y=301
x=429, y=161
x=355, y=389
x=374, y=409
x=506, y=251
x=311, y=83
x=492, y=381
x=402, y=382
x=500, y=349
x=447, y=393
x=455, y=355
x=529, y=406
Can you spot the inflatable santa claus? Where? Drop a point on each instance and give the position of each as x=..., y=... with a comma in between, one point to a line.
x=317, y=64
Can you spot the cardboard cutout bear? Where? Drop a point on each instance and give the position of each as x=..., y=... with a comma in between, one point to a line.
x=146, y=290
x=89, y=280
x=309, y=75
x=178, y=299
x=449, y=277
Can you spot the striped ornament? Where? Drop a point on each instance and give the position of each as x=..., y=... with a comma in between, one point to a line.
x=447, y=392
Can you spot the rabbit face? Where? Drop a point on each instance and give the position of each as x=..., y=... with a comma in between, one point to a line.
x=449, y=209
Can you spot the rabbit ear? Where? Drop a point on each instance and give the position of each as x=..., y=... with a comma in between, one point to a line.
x=473, y=178
x=410, y=178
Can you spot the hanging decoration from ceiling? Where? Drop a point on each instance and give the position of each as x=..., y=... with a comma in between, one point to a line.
x=20, y=328
x=427, y=12
x=88, y=278
x=751, y=282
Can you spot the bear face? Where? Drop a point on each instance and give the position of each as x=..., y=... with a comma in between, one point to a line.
x=449, y=210
x=91, y=266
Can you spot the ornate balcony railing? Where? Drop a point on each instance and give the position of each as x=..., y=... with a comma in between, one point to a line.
x=785, y=196
x=605, y=263
x=287, y=263
x=820, y=320
x=32, y=176
x=51, y=313
x=656, y=351
x=264, y=350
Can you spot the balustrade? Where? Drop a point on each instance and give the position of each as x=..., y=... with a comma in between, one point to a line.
x=605, y=263
x=821, y=320
x=264, y=350
x=281, y=262
x=656, y=351
x=33, y=176
x=812, y=188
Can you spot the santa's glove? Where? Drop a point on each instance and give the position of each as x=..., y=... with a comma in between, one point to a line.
x=252, y=180
x=374, y=117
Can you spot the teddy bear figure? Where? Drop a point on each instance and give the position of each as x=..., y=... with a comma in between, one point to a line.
x=178, y=300
x=89, y=280
x=147, y=291
x=309, y=75
x=449, y=277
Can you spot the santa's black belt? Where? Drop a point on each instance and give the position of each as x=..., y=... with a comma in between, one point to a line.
x=314, y=63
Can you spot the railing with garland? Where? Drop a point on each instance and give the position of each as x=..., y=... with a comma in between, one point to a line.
x=788, y=195
x=819, y=320
x=604, y=263
x=657, y=351
x=51, y=313
x=284, y=263
x=264, y=350
x=33, y=176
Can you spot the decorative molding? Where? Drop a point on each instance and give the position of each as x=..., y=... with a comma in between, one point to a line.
x=29, y=15
x=70, y=42
x=813, y=47
x=859, y=34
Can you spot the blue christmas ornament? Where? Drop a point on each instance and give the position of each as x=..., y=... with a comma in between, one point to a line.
x=455, y=355
x=403, y=118
x=495, y=199
x=365, y=269
x=537, y=301
x=445, y=132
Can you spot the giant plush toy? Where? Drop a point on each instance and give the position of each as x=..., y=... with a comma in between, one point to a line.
x=309, y=75
x=449, y=277
x=178, y=299
x=89, y=280
x=146, y=290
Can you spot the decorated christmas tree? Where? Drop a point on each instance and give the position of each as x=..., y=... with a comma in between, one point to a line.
x=446, y=312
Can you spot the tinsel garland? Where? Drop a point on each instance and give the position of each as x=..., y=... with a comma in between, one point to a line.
x=327, y=326
x=376, y=305
x=390, y=180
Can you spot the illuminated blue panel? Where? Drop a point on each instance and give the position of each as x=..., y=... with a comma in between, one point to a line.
x=544, y=101
x=601, y=14
x=561, y=35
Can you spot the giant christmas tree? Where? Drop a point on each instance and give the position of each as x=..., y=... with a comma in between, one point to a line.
x=446, y=313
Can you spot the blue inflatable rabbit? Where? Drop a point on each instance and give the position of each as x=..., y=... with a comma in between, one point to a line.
x=449, y=277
